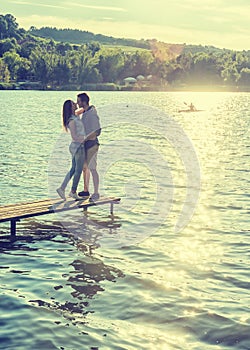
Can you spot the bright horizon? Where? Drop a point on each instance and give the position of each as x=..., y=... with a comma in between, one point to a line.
x=220, y=23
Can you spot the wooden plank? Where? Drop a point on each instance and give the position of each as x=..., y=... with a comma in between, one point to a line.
x=27, y=206
x=20, y=211
x=43, y=205
x=17, y=206
x=48, y=206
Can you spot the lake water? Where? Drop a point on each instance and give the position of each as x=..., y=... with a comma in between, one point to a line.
x=171, y=269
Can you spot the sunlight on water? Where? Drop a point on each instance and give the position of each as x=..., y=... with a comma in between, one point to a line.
x=170, y=269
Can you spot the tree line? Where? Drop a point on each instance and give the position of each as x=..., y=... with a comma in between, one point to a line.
x=75, y=36
x=24, y=56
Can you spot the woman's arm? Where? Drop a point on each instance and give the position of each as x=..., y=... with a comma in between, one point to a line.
x=72, y=128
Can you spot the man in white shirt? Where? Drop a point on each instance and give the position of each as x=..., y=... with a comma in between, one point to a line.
x=92, y=127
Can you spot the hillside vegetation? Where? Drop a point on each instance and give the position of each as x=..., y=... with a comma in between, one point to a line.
x=80, y=37
x=51, y=58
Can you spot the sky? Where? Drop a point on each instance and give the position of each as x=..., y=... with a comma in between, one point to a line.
x=220, y=23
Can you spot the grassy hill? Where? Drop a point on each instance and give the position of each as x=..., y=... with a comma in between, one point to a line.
x=79, y=37
x=75, y=36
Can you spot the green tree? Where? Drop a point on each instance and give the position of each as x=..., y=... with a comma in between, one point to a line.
x=230, y=74
x=4, y=71
x=86, y=63
x=40, y=66
x=205, y=69
x=110, y=65
x=174, y=72
x=184, y=61
x=143, y=61
x=73, y=61
x=60, y=73
x=3, y=27
x=62, y=48
x=94, y=76
x=8, y=45
x=27, y=47
x=136, y=63
x=160, y=71
x=242, y=61
x=13, y=61
x=23, y=69
x=9, y=27
x=93, y=47
x=244, y=78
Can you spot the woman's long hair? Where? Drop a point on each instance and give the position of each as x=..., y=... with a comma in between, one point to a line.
x=67, y=113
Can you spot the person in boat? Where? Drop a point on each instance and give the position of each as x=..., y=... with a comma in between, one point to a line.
x=90, y=120
x=73, y=123
x=192, y=107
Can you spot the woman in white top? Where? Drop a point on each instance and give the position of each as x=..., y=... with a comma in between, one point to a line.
x=74, y=124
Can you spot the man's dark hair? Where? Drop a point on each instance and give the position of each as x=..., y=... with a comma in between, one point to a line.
x=83, y=97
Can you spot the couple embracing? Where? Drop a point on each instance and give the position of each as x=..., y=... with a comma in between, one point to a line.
x=84, y=129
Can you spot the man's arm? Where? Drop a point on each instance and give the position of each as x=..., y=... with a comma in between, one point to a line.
x=94, y=128
x=91, y=136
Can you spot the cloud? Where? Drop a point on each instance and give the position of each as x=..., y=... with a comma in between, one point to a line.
x=46, y=21
x=37, y=4
x=108, y=18
x=102, y=8
x=239, y=11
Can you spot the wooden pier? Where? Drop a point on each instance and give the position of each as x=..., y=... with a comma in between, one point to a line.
x=15, y=212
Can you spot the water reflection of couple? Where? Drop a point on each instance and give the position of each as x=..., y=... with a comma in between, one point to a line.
x=84, y=129
x=89, y=272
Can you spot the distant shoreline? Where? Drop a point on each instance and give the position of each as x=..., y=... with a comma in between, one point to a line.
x=116, y=87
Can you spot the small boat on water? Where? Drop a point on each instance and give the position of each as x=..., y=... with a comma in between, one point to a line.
x=190, y=110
